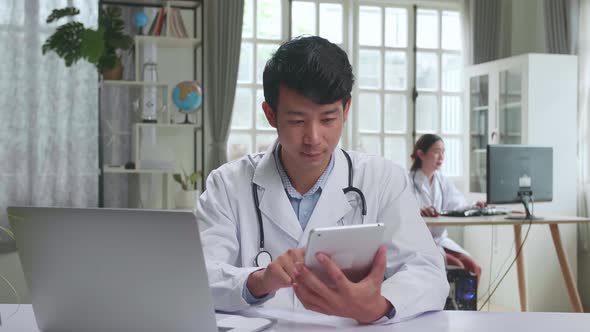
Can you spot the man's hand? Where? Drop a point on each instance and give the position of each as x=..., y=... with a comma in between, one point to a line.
x=429, y=212
x=278, y=274
x=361, y=301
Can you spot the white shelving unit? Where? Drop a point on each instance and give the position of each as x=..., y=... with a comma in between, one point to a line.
x=168, y=146
x=531, y=98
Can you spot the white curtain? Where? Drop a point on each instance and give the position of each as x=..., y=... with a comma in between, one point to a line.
x=222, y=55
x=584, y=149
x=48, y=113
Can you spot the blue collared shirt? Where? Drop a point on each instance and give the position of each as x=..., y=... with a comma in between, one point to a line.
x=303, y=205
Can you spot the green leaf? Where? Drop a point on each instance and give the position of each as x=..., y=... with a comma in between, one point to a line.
x=195, y=177
x=7, y=231
x=56, y=14
x=177, y=177
x=92, y=46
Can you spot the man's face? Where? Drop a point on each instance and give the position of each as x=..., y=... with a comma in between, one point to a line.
x=308, y=132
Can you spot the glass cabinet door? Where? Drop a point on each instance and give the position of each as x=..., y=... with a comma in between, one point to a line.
x=510, y=107
x=478, y=131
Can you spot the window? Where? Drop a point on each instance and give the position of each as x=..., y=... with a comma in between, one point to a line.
x=379, y=38
x=262, y=32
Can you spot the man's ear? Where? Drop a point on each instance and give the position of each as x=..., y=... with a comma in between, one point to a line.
x=271, y=115
x=347, y=108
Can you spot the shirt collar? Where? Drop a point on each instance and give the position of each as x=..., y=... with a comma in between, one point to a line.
x=291, y=191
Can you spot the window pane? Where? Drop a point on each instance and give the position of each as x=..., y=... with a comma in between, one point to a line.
x=246, y=69
x=451, y=30
x=238, y=145
x=370, y=26
x=395, y=149
x=396, y=27
x=369, y=69
x=395, y=70
x=13, y=12
x=427, y=28
x=263, y=141
x=370, y=106
x=395, y=113
x=303, y=18
x=451, y=118
x=426, y=114
x=331, y=22
x=261, y=121
x=370, y=144
x=248, y=21
x=426, y=71
x=268, y=19
x=451, y=72
x=453, y=152
x=242, y=111
x=263, y=53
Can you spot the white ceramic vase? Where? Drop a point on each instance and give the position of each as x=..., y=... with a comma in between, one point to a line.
x=186, y=199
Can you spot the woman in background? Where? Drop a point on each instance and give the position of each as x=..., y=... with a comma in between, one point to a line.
x=436, y=193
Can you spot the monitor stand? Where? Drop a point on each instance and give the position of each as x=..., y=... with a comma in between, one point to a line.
x=528, y=215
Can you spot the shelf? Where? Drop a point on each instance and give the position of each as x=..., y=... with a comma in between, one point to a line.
x=170, y=42
x=154, y=3
x=133, y=83
x=480, y=108
x=121, y=170
x=168, y=126
x=511, y=105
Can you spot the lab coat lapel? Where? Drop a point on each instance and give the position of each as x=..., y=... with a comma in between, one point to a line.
x=333, y=204
x=274, y=203
x=424, y=193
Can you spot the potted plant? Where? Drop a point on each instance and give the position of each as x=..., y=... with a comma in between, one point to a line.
x=187, y=196
x=72, y=41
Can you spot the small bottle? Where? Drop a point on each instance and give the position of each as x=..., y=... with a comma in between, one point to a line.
x=149, y=112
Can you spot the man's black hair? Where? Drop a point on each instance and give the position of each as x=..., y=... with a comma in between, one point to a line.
x=313, y=67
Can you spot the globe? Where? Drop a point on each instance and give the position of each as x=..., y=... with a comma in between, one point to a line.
x=187, y=96
x=140, y=19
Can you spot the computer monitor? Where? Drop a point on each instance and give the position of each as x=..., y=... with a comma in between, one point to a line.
x=519, y=174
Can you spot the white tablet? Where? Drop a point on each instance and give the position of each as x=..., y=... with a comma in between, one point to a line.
x=352, y=248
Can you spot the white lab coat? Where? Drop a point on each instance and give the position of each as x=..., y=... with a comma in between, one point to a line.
x=416, y=279
x=442, y=195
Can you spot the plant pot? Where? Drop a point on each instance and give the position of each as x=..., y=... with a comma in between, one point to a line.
x=186, y=199
x=115, y=73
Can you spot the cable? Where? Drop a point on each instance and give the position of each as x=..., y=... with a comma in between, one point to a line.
x=18, y=301
x=500, y=269
x=492, y=245
x=511, y=264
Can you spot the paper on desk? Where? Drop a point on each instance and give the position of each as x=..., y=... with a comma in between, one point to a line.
x=299, y=316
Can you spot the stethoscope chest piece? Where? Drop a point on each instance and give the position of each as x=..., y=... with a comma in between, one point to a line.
x=262, y=259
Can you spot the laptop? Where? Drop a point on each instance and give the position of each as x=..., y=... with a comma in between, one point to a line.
x=117, y=270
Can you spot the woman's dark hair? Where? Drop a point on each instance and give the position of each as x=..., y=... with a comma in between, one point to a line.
x=424, y=143
x=313, y=67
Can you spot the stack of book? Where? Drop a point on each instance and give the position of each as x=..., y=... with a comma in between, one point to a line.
x=161, y=22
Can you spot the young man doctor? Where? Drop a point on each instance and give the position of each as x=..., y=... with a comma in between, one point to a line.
x=261, y=208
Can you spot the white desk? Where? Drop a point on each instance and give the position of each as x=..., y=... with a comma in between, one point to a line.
x=552, y=221
x=451, y=321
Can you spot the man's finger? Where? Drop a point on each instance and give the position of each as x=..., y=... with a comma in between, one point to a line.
x=340, y=280
x=379, y=262
x=312, y=282
x=310, y=299
x=278, y=275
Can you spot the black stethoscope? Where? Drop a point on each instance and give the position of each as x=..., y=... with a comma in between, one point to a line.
x=263, y=258
x=419, y=191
